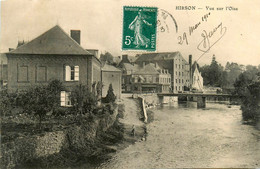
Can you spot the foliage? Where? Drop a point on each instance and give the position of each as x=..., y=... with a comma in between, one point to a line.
x=38, y=100
x=110, y=97
x=212, y=74
x=107, y=57
x=247, y=86
x=251, y=103
x=83, y=99
x=7, y=102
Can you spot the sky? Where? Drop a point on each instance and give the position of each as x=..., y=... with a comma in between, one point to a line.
x=100, y=22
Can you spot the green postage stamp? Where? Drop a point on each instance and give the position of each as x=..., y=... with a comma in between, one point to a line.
x=139, y=28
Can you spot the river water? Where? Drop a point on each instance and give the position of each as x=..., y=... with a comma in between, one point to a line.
x=183, y=136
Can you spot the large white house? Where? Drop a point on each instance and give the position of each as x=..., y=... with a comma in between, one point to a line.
x=197, y=82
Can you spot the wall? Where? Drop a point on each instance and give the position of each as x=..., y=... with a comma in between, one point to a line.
x=26, y=148
x=55, y=69
x=115, y=79
x=41, y=146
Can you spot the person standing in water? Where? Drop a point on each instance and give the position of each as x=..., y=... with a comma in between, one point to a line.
x=137, y=26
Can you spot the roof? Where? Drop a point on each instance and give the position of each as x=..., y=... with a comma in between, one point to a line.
x=110, y=68
x=148, y=69
x=158, y=56
x=130, y=67
x=53, y=41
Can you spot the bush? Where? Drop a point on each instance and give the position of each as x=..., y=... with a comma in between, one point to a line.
x=40, y=100
x=250, y=104
x=110, y=97
x=83, y=100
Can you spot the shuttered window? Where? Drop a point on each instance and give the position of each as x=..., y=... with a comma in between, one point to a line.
x=72, y=73
x=65, y=100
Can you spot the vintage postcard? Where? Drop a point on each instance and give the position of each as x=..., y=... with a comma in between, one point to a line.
x=130, y=84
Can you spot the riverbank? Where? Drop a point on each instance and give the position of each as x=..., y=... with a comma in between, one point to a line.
x=182, y=136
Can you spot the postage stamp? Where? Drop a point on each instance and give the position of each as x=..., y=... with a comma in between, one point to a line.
x=139, y=28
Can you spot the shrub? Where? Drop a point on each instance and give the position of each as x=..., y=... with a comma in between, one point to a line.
x=40, y=100
x=83, y=100
x=250, y=104
x=110, y=97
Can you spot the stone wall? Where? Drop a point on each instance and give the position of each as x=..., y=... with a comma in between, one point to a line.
x=33, y=147
x=26, y=148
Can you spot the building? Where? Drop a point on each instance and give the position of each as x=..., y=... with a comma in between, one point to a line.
x=177, y=66
x=197, y=82
x=52, y=55
x=111, y=75
x=149, y=78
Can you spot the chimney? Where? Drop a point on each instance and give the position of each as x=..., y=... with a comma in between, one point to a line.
x=124, y=57
x=156, y=65
x=93, y=52
x=190, y=63
x=75, y=34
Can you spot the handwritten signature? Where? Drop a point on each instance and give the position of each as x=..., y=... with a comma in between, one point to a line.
x=206, y=43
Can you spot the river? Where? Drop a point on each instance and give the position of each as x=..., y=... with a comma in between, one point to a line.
x=182, y=136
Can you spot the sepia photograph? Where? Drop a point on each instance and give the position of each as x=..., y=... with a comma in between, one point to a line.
x=120, y=84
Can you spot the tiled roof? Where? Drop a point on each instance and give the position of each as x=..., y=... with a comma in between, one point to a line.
x=157, y=56
x=130, y=67
x=148, y=69
x=54, y=41
x=110, y=68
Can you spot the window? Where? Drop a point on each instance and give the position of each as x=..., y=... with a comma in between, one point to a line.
x=182, y=80
x=72, y=73
x=22, y=74
x=65, y=99
x=176, y=88
x=41, y=73
x=182, y=73
x=179, y=80
x=179, y=73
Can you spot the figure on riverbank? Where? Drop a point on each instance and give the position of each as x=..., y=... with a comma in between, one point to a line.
x=133, y=130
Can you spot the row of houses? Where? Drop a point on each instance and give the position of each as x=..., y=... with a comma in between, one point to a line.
x=160, y=72
x=56, y=55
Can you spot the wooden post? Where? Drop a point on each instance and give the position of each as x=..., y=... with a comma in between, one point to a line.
x=201, y=102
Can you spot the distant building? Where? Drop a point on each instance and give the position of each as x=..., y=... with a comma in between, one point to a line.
x=147, y=78
x=197, y=82
x=178, y=67
x=52, y=55
x=111, y=75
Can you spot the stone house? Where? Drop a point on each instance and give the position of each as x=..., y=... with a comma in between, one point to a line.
x=197, y=79
x=111, y=75
x=149, y=78
x=177, y=66
x=52, y=55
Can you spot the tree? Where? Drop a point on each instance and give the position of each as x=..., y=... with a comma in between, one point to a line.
x=251, y=102
x=84, y=101
x=107, y=57
x=110, y=97
x=40, y=100
x=212, y=74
